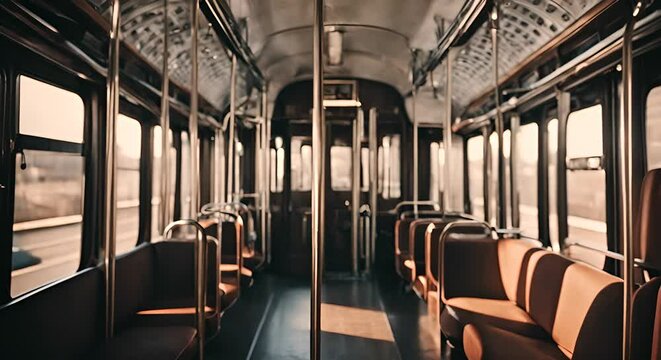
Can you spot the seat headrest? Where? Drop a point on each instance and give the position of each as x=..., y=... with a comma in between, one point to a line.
x=649, y=225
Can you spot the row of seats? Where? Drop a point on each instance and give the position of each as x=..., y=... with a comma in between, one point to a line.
x=154, y=303
x=499, y=298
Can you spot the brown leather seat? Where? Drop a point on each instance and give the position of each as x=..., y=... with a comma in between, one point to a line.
x=488, y=342
x=144, y=343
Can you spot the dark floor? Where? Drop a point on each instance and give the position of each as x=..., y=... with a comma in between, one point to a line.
x=361, y=319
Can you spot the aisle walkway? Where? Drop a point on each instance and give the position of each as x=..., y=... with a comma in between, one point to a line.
x=361, y=319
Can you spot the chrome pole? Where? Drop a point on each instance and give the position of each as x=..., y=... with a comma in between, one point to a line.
x=267, y=174
x=232, y=129
x=486, y=167
x=373, y=181
x=318, y=147
x=112, y=111
x=263, y=179
x=415, y=154
x=501, y=206
x=515, y=122
x=219, y=166
x=355, y=190
x=625, y=174
x=447, y=134
x=165, y=124
x=193, y=118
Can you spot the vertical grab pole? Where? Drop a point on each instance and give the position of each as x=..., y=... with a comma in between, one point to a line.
x=317, y=179
x=515, y=122
x=112, y=111
x=165, y=124
x=415, y=155
x=486, y=170
x=355, y=189
x=219, y=166
x=264, y=188
x=267, y=172
x=447, y=134
x=373, y=182
x=193, y=118
x=501, y=206
x=625, y=174
x=230, y=145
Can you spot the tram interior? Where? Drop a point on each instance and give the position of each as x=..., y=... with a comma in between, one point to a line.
x=330, y=179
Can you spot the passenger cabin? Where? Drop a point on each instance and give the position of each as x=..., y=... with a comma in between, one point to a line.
x=330, y=179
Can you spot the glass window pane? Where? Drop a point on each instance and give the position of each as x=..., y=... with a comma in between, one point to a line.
x=128, y=182
x=395, y=181
x=653, y=127
x=185, y=197
x=301, y=165
x=48, y=213
x=475, y=154
x=365, y=168
x=340, y=158
x=436, y=162
x=586, y=189
x=50, y=112
x=156, y=180
x=527, y=145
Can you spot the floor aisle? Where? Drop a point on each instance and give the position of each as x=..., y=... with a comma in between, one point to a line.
x=361, y=319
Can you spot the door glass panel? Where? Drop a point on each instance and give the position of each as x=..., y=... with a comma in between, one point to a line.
x=552, y=138
x=340, y=158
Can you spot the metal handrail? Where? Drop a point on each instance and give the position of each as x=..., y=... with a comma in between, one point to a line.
x=615, y=256
x=200, y=257
x=417, y=202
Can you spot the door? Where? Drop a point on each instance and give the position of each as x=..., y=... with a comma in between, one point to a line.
x=338, y=162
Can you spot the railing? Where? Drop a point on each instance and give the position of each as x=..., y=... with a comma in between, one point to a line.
x=615, y=256
x=200, y=264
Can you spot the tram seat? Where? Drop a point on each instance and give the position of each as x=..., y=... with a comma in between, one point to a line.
x=646, y=304
x=420, y=250
x=167, y=298
x=510, y=299
x=403, y=258
x=33, y=325
x=231, y=260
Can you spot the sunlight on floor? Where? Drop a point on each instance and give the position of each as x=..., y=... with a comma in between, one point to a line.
x=351, y=321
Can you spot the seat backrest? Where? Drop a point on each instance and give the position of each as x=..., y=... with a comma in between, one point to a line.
x=402, y=235
x=648, y=229
x=469, y=266
x=513, y=258
x=417, y=231
x=432, y=241
x=63, y=320
x=646, y=321
x=588, y=320
x=134, y=279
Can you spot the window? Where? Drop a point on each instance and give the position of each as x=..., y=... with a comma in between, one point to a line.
x=653, y=127
x=156, y=180
x=436, y=163
x=185, y=193
x=340, y=161
x=552, y=138
x=528, y=142
x=301, y=165
x=238, y=163
x=37, y=115
x=49, y=187
x=365, y=166
x=586, y=184
x=128, y=182
x=277, y=166
x=389, y=171
x=475, y=154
